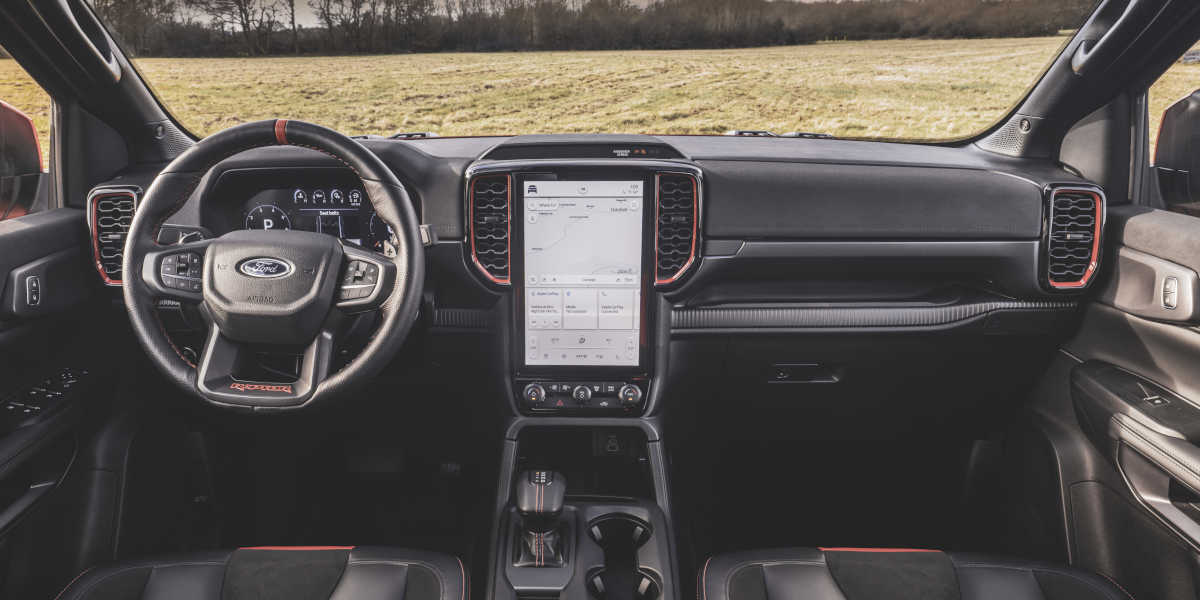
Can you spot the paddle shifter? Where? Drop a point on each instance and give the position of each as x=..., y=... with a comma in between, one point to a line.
x=540, y=496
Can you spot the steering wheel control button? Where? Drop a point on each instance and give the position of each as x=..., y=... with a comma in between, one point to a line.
x=182, y=271
x=359, y=280
x=534, y=395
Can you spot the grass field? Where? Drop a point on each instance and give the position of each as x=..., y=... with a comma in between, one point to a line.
x=893, y=88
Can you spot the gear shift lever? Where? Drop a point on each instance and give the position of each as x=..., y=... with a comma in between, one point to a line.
x=540, y=496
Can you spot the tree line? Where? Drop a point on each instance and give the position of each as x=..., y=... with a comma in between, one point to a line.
x=276, y=27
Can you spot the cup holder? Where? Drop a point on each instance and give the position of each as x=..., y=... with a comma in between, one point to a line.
x=622, y=584
x=619, y=530
x=621, y=577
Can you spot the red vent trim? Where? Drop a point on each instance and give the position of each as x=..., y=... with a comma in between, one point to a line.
x=658, y=279
x=1097, y=228
x=94, y=219
x=508, y=232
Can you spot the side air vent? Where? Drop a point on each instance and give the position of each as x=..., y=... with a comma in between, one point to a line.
x=1075, y=218
x=110, y=213
x=490, y=210
x=677, y=199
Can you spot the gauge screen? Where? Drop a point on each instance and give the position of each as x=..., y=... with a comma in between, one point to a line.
x=344, y=212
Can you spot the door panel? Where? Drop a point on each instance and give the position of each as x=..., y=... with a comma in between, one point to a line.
x=48, y=342
x=1123, y=416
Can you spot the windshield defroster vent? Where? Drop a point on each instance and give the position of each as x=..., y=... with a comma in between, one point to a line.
x=490, y=212
x=677, y=211
x=110, y=212
x=1075, y=218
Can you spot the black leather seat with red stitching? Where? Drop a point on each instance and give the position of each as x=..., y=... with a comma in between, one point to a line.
x=295, y=573
x=886, y=574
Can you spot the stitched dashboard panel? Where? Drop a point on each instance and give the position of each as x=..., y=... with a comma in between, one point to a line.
x=802, y=317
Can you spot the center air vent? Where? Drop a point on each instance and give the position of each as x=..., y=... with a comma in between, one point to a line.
x=1074, y=221
x=490, y=229
x=111, y=212
x=678, y=203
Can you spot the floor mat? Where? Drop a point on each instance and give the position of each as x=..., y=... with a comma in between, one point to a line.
x=878, y=494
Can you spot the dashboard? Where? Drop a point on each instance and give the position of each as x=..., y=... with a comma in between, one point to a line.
x=591, y=265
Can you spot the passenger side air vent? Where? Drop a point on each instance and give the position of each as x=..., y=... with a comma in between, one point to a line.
x=490, y=210
x=1075, y=218
x=677, y=199
x=111, y=212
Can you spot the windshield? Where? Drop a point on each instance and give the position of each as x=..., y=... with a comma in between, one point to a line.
x=897, y=69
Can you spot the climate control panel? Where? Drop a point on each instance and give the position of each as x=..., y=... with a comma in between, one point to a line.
x=581, y=396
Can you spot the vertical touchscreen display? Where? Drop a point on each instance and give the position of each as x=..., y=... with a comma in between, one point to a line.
x=583, y=272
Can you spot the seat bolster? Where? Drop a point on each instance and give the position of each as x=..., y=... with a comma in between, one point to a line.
x=805, y=574
x=768, y=575
x=137, y=579
x=401, y=574
x=984, y=578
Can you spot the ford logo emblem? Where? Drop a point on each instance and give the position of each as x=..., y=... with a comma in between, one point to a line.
x=264, y=267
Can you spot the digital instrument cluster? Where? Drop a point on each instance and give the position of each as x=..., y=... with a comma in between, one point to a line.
x=344, y=212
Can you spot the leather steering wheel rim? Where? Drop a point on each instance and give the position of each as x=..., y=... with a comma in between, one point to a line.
x=177, y=183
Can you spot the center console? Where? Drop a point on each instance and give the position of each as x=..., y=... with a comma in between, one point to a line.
x=582, y=252
x=581, y=524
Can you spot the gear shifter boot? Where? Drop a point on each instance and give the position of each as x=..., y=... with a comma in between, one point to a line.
x=541, y=549
x=540, y=498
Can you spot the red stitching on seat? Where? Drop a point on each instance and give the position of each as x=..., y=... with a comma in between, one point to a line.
x=466, y=591
x=876, y=550
x=77, y=577
x=1119, y=586
x=300, y=548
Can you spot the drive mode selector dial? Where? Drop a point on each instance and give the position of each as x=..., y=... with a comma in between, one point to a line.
x=534, y=394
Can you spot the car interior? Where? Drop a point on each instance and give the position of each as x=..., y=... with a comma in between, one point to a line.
x=282, y=362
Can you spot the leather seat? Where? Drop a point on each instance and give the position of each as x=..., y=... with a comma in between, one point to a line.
x=279, y=573
x=887, y=574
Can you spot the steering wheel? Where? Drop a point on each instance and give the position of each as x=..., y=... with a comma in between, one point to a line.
x=273, y=289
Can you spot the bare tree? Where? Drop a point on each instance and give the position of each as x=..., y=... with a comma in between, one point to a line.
x=329, y=12
x=256, y=20
x=291, y=8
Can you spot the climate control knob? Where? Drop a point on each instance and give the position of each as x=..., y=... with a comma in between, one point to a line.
x=582, y=394
x=630, y=395
x=534, y=395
